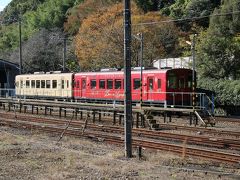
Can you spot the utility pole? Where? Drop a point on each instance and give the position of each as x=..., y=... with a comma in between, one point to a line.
x=20, y=45
x=193, y=71
x=64, y=51
x=141, y=66
x=127, y=80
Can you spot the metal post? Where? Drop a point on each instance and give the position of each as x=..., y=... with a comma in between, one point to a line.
x=20, y=45
x=127, y=80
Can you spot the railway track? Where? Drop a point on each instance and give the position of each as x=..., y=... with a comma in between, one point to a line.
x=195, y=140
x=200, y=129
x=50, y=125
x=227, y=120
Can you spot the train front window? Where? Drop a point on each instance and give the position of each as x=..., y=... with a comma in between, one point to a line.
x=118, y=84
x=101, y=84
x=93, y=84
x=109, y=84
x=172, y=81
x=27, y=83
x=189, y=81
x=62, y=84
x=21, y=84
x=136, y=84
x=181, y=83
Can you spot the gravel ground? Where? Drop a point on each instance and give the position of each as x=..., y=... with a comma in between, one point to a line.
x=33, y=155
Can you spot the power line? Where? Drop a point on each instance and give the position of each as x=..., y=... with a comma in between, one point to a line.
x=186, y=19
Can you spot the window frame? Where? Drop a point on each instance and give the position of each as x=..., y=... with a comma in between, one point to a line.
x=136, y=83
x=116, y=81
x=48, y=84
x=38, y=84
x=27, y=84
x=54, y=84
x=102, y=84
x=109, y=82
x=33, y=84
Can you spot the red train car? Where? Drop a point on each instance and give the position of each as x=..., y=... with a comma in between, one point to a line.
x=165, y=86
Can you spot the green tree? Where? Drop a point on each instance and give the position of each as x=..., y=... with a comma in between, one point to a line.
x=219, y=47
x=148, y=5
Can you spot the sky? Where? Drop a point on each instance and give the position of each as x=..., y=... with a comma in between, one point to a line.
x=3, y=3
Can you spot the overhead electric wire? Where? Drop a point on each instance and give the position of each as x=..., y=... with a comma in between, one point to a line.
x=186, y=19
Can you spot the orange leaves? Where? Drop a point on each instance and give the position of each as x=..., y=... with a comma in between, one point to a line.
x=99, y=41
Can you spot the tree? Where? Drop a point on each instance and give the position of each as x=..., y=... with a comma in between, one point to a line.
x=43, y=51
x=48, y=15
x=191, y=9
x=148, y=5
x=219, y=48
x=99, y=42
x=82, y=10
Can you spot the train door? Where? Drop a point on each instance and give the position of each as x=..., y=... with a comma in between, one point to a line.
x=150, y=88
x=77, y=92
x=83, y=87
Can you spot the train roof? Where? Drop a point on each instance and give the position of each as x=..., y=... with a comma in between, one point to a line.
x=46, y=74
x=133, y=71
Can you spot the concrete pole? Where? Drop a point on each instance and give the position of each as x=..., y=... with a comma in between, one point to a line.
x=127, y=80
x=193, y=72
x=141, y=74
x=64, y=52
x=20, y=45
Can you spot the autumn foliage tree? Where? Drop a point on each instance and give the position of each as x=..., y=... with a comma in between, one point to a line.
x=78, y=13
x=99, y=42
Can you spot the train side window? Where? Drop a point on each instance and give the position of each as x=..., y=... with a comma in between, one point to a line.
x=118, y=83
x=109, y=84
x=48, y=84
x=150, y=84
x=181, y=83
x=102, y=83
x=83, y=83
x=136, y=83
x=38, y=84
x=42, y=83
x=54, y=84
x=159, y=84
x=27, y=84
x=93, y=83
x=32, y=83
x=62, y=84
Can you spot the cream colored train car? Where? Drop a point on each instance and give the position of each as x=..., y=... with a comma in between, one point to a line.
x=45, y=85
